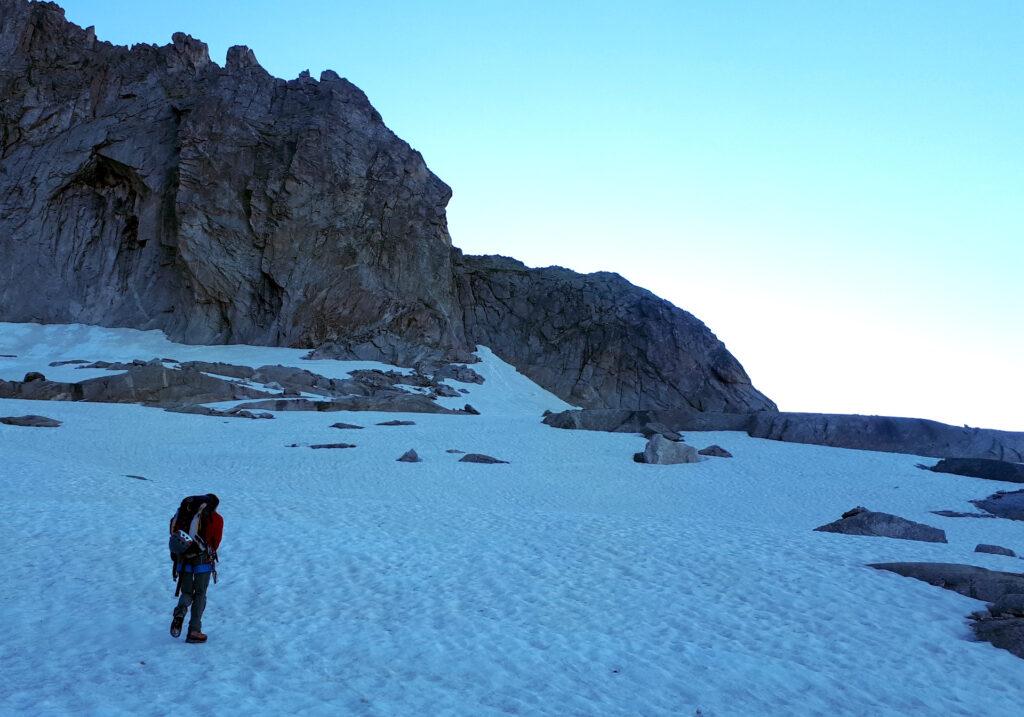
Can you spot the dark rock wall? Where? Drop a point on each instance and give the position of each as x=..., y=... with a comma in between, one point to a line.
x=149, y=187
x=152, y=188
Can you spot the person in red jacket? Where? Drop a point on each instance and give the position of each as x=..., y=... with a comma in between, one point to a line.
x=194, y=574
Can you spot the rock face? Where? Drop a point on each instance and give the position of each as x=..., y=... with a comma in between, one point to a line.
x=861, y=521
x=663, y=452
x=598, y=341
x=152, y=188
x=981, y=468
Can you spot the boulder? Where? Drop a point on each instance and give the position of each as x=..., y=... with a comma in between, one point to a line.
x=969, y=580
x=479, y=458
x=662, y=451
x=1004, y=504
x=397, y=423
x=410, y=456
x=986, y=468
x=30, y=421
x=445, y=391
x=34, y=376
x=994, y=550
x=716, y=451
x=861, y=521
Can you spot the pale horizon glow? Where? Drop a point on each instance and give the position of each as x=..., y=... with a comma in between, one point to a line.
x=835, y=190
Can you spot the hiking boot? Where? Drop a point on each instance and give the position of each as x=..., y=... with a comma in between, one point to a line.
x=195, y=636
x=176, y=622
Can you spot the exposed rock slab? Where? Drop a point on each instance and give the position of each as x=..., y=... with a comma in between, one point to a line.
x=988, y=469
x=914, y=436
x=480, y=458
x=969, y=580
x=1004, y=504
x=30, y=421
x=1006, y=633
x=861, y=521
x=404, y=403
x=994, y=550
x=151, y=384
x=715, y=451
x=455, y=372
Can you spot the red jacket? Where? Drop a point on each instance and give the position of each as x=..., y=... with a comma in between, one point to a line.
x=213, y=530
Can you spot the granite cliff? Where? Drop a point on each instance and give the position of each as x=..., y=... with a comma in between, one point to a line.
x=150, y=187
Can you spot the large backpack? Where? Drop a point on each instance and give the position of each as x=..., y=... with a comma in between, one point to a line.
x=186, y=542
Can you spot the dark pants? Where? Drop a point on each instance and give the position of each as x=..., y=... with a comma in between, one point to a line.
x=193, y=593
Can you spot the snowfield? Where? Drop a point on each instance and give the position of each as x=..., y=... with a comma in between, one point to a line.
x=571, y=581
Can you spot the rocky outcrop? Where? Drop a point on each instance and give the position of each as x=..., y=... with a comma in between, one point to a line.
x=981, y=468
x=30, y=421
x=1003, y=623
x=994, y=550
x=861, y=521
x=150, y=384
x=152, y=188
x=410, y=456
x=598, y=341
x=480, y=458
x=915, y=436
x=1004, y=504
x=404, y=403
x=969, y=580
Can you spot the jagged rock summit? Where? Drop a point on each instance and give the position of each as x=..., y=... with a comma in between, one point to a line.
x=152, y=188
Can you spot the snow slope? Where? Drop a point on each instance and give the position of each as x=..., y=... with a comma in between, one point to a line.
x=570, y=582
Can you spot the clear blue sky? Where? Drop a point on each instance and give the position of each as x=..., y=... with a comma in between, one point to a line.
x=836, y=189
